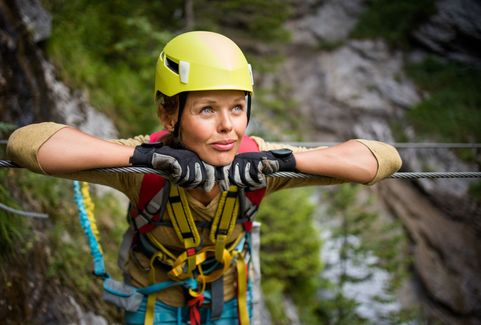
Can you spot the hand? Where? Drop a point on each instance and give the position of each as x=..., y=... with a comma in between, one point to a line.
x=182, y=167
x=249, y=169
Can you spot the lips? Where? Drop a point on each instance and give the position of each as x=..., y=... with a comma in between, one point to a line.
x=223, y=145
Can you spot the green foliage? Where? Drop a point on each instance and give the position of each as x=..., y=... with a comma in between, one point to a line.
x=338, y=310
x=290, y=247
x=273, y=107
x=6, y=127
x=393, y=20
x=273, y=290
x=59, y=241
x=452, y=109
x=12, y=227
x=111, y=57
x=259, y=19
x=475, y=190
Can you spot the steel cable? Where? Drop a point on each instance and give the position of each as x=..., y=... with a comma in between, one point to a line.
x=145, y=170
x=399, y=175
x=23, y=213
x=398, y=145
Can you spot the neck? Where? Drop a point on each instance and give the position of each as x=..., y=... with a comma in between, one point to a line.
x=202, y=196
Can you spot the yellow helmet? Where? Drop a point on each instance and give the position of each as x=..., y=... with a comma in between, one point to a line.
x=202, y=61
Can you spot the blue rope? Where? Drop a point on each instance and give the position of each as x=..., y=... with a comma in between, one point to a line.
x=99, y=266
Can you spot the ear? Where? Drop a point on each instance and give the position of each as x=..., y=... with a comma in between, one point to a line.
x=170, y=124
x=167, y=120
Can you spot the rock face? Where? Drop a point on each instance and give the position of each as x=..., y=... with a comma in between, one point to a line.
x=29, y=93
x=356, y=90
x=29, y=89
x=24, y=91
x=454, y=31
x=330, y=21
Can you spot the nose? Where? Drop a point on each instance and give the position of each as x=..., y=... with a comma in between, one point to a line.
x=224, y=122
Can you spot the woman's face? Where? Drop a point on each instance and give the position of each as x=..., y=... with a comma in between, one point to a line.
x=213, y=123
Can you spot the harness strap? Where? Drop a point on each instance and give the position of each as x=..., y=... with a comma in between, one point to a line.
x=154, y=208
x=179, y=273
x=241, y=268
x=184, y=225
x=154, y=287
x=217, y=291
x=224, y=220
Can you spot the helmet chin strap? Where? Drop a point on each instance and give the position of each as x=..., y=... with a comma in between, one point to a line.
x=182, y=101
x=248, y=103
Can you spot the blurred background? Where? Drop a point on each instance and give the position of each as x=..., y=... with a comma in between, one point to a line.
x=399, y=252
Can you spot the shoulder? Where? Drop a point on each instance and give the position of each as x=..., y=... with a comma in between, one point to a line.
x=266, y=145
x=132, y=142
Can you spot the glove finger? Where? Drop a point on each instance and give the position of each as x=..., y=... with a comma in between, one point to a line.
x=183, y=179
x=251, y=176
x=199, y=174
x=169, y=165
x=209, y=181
x=236, y=176
x=257, y=176
x=256, y=173
x=269, y=166
x=193, y=176
x=222, y=177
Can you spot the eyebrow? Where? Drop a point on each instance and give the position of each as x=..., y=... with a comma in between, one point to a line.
x=212, y=101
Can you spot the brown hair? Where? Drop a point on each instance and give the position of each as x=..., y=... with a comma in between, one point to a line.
x=168, y=105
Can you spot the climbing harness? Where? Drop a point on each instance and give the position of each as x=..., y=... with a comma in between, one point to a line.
x=204, y=259
x=185, y=271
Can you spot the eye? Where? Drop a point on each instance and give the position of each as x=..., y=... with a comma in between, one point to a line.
x=238, y=109
x=206, y=110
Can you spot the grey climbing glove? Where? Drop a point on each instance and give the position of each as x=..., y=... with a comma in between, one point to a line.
x=249, y=169
x=182, y=167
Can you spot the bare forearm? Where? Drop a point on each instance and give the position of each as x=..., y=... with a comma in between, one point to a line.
x=70, y=150
x=351, y=161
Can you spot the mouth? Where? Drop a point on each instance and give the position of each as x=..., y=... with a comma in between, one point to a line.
x=223, y=145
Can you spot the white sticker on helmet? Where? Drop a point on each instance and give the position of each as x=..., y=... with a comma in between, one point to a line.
x=184, y=68
x=250, y=72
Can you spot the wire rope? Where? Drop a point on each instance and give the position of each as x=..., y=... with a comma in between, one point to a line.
x=399, y=175
x=23, y=213
x=398, y=145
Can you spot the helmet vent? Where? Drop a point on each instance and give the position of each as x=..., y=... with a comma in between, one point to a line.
x=172, y=65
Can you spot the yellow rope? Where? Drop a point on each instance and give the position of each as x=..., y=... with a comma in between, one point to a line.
x=89, y=208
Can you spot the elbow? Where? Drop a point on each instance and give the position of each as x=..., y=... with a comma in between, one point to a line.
x=14, y=148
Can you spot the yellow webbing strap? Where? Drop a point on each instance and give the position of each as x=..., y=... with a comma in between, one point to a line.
x=183, y=222
x=242, y=289
x=149, y=312
x=177, y=272
x=224, y=220
x=89, y=207
x=167, y=257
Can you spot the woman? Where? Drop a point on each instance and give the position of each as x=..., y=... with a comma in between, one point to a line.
x=191, y=228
